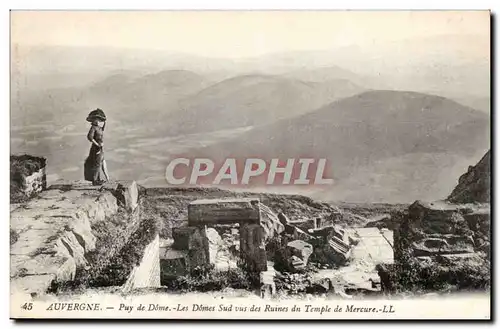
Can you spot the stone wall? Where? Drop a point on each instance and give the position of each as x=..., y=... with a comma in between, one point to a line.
x=195, y=245
x=54, y=234
x=447, y=242
x=27, y=177
x=224, y=211
x=35, y=183
x=438, y=228
x=147, y=273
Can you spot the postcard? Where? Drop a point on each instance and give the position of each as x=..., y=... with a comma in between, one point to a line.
x=250, y=165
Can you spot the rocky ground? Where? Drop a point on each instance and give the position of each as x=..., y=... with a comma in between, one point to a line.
x=321, y=272
x=350, y=249
x=311, y=247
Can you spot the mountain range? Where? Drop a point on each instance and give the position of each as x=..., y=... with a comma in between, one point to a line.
x=375, y=138
x=385, y=116
x=253, y=100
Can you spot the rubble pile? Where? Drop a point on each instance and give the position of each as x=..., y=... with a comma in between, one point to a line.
x=288, y=256
x=448, y=238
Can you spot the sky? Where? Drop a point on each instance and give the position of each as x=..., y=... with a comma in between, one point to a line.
x=227, y=34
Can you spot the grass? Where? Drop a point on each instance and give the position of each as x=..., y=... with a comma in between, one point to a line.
x=119, y=248
x=210, y=279
x=118, y=268
x=439, y=274
x=27, y=164
x=171, y=205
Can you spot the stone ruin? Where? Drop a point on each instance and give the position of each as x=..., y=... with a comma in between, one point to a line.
x=456, y=228
x=28, y=175
x=437, y=229
x=191, y=247
x=53, y=235
x=453, y=232
x=267, y=242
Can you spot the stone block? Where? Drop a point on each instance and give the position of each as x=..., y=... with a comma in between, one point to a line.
x=303, y=224
x=295, y=263
x=35, y=183
x=31, y=286
x=54, y=233
x=253, y=248
x=194, y=240
x=199, y=254
x=127, y=194
x=223, y=211
x=296, y=233
x=340, y=234
x=184, y=238
x=147, y=273
x=63, y=269
x=270, y=222
x=300, y=249
x=437, y=217
x=321, y=285
x=446, y=244
x=334, y=251
x=283, y=218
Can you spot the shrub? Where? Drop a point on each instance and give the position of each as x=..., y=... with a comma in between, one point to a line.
x=119, y=248
x=26, y=164
x=210, y=279
x=441, y=274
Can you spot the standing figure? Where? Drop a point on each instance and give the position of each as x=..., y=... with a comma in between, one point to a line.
x=95, y=166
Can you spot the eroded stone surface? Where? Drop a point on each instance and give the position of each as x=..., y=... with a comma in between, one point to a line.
x=194, y=241
x=253, y=247
x=373, y=248
x=127, y=193
x=32, y=285
x=333, y=245
x=55, y=234
x=300, y=251
x=270, y=222
x=223, y=211
x=474, y=185
x=443, y=228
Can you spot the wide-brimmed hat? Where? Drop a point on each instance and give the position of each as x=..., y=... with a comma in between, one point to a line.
x=96, y=114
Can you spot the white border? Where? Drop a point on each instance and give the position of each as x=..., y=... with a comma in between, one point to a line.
x=191, y=4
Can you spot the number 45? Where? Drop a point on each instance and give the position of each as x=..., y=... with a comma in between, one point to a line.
x=27, y=306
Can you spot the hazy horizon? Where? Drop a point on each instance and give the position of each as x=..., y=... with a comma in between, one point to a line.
x=239, y=34
x=174, y=82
